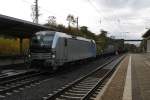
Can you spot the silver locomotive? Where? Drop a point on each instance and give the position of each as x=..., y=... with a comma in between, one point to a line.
x=53, y=49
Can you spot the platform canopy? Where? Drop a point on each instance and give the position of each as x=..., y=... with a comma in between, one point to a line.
x=146, y=34
x=19, y=28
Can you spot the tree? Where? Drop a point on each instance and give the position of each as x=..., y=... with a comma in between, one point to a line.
x=103, y=33
x=86, y=33
x=70, y=19
x=52, y=21
x=102, y=40
x=61, y=28
x=84, y=29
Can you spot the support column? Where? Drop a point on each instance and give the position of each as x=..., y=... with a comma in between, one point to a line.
x=21, y=45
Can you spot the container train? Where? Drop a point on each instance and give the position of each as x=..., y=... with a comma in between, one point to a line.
x=54, y=49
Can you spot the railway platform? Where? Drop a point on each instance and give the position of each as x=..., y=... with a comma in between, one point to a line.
x=131, y=80
x=6, y=62
x=9, y=63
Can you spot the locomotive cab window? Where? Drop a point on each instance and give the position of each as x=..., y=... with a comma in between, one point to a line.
x=65, y=41
x=41, y=42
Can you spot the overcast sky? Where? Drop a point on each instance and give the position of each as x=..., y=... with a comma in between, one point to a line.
x=121, y=18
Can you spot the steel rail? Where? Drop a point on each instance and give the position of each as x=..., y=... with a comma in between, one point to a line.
x=10, y=85
x=101, y=81
x=63, y=90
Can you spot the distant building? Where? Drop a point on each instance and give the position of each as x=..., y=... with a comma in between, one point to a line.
x=146, y=45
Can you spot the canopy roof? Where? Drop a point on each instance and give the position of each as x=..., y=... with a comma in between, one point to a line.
x=146, y=34
x=19, y=28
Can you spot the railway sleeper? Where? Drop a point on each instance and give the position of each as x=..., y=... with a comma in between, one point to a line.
x=96, y=92
x=87, y=83
x=2, y=87
x=66, y=97
x=17, y=86
x=94, y=95
x=77, y=91
x=74, y=94
x=91, y=79
x=99, y=89
x=60, y=99
x=74, y=88
x=92, y=98
x=83, y=87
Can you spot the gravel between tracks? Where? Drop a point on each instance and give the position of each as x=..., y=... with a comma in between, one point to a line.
x=36, y=92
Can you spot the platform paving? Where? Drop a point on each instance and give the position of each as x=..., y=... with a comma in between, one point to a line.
x=10, y=61
x=141, y=77
x=5, y=63
x=114, y=90
x=131, y=80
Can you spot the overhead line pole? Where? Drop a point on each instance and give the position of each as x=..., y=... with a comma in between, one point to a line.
x=77, y=24
x=36, y=12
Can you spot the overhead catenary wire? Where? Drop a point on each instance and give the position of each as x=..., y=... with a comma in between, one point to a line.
x=90, y=2
x=117, y=20
x=100, y=13
x=93, y=6
x=50, y=13
x=42, y=8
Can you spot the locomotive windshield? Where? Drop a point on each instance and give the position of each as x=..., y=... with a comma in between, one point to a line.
x=41, y=42
x=42, y=39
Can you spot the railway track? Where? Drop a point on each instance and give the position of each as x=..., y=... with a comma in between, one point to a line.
x=10, y=84
x=15, y=83
x=88, y=86
x=5, y=76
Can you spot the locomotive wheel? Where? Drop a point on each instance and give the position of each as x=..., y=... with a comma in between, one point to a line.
x=27, y=62
x=27, y=59
x=54, y=68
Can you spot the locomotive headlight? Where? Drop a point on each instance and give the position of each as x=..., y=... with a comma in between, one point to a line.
x=53, y=56
x=29, y=55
